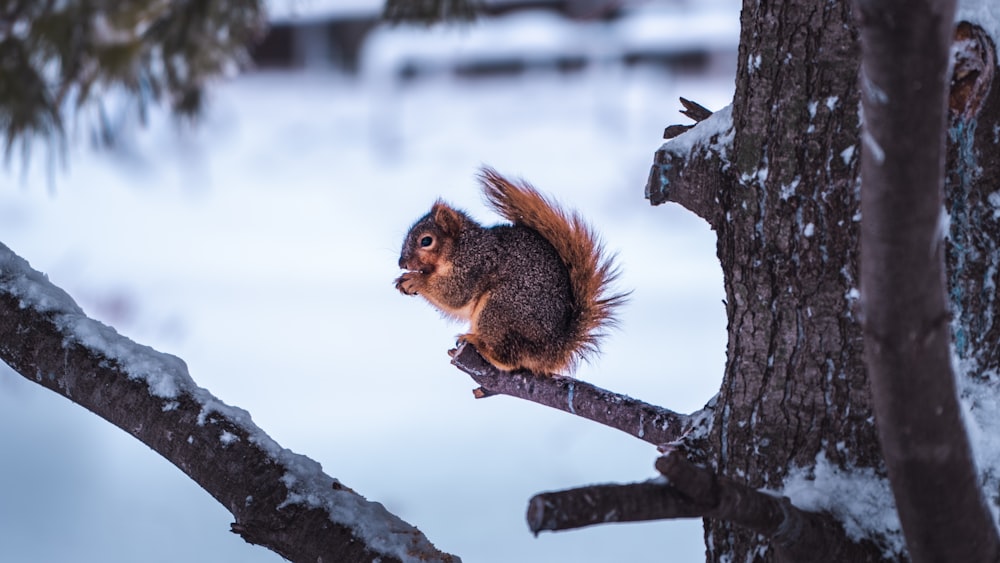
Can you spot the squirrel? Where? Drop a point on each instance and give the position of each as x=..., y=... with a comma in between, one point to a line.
x=535, y=292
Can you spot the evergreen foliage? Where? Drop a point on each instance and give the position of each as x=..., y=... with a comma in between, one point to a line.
x=59, y=57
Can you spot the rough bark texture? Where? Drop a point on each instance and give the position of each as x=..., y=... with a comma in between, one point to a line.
x=691, y=491
x=794, y=385
x=973, y=165
x=260, y=483
x=972, y=199
x=782, y=191
x=907, y=337
x=602, y=504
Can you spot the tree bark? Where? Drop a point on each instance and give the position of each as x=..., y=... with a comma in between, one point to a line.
x=794, y=386
x=907, y=329
x=691, y=491
x=781, y=189
x=280, y=500
x=973, y=164
x=649, y=423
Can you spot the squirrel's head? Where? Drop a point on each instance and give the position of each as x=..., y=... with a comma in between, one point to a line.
x=432, y=238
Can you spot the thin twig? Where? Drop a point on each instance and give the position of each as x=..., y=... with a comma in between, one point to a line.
x=694, y=110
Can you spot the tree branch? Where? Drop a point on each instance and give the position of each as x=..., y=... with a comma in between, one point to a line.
x=690, y=491
x=689, y=168
x=604, y=504
x=280, y=500
x=428, y=12
x=649, y=423
x=905, y=52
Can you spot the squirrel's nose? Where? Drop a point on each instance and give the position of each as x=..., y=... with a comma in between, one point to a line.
x=402, y=263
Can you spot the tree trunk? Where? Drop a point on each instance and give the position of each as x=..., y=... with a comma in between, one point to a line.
x=973, y=249
x=924, y=442
x=794, y=386
x=781, y=188
x=973, y=202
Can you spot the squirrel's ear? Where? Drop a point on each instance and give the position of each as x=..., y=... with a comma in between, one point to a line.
x=447, y=219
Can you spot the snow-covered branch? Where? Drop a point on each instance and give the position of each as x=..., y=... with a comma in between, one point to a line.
x=647, y=422
x=689, y=169
x=280, y=500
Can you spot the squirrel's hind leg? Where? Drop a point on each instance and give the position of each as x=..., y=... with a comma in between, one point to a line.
x=508, y=353
x=488, y=351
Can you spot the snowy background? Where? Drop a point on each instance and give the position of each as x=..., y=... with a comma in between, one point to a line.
x=261, y=247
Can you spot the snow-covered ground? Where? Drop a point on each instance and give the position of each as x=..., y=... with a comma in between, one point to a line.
x=261, y=249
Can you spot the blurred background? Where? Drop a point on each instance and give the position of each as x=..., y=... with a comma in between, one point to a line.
x=260, y=246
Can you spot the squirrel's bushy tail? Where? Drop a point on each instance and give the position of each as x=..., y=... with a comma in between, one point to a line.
x=591, y=271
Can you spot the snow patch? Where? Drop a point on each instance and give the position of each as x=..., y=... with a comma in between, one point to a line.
x=944, y=224
x=165, y=375
x=871, y=91
x=384, y=532
x=874, y=149
x=788, y=190
x=981, y=413
x=994, y=200
x=985, y=13
x=847, y=154
x=859, y=498
x=716, y=131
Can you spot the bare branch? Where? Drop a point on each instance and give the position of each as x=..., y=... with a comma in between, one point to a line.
x=695, y=111
x=604, y=504
x=649, y=423
x=905, y=52
x=280, y=500
x=689, y=168
x=691, y=492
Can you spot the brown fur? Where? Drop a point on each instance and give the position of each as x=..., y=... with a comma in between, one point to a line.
x=536, y=293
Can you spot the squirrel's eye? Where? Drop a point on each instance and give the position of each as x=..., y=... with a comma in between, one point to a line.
x=426, y=241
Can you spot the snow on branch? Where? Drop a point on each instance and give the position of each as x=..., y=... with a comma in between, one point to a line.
x=647, y=422
x=280, y=500
x=690, y=168
x=689, y=491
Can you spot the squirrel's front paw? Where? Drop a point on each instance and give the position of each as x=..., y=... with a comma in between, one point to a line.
x=407, y=283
